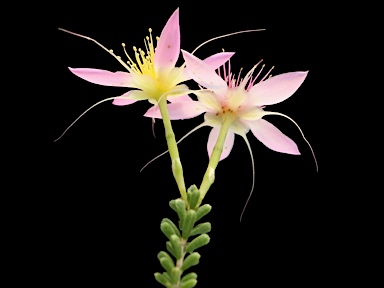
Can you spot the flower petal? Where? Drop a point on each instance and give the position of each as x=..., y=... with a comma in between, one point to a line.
x=130, y=97
x=227, y=146
x=213, y=120
x=138, y=95
x=214, y=61
x=182, y=98
x=178, y=110
x=272, y=137
x=276, y=89
x=177, y=91
x=168, y=46
x=124, y=99
x=203, y=74
x=154, y=112
x=240, y=128
x=209, y=100
x=104, y=77
x=177, y=75
x=251, y=113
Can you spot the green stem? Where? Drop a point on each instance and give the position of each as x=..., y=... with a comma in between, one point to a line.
x=209, y=176
x=180, y=262
x=177, y=168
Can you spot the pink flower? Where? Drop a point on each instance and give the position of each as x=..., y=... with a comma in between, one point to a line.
x=152, y=73
x=241, y=102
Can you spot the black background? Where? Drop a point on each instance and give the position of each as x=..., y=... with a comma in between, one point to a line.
x=102, y=216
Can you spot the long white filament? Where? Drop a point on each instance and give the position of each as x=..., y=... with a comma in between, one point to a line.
x=298, y=127
x=181, y=139
x=253, y=174
x=225, y=35
x=82, y=114
x=93, y=40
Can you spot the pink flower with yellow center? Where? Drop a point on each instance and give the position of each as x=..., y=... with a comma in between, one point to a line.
x=152, y=73
x=239, y=101
x=235, y=106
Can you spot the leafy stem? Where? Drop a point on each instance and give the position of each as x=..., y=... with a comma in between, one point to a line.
x=178, y=246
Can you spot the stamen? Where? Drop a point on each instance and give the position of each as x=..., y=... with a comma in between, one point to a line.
x=254, y=79
x=142, y=56
x=247, y=77
x=238, y=76
x=218, y=69
x=229, y=70
x=267, y=74
x=93, y=40
x=224, y=73
x=130, y=62
x=146, y=40
x=138, y=60
x=151, y=48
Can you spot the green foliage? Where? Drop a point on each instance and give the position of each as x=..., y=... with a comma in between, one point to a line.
x=163, y=254
x=190, y=219
x=191, y=260
x=193, y=195
x=189, y=284
x=162, y=280
x=189, y=276
x=176, y=245
x=181, y=211
x=201, y=229
x=179, y=244
x=202, y=211
x=174, y=227
x=167, y=230
x=175, y=275
x=197, y=243
x=170, y=248
x=167, y=264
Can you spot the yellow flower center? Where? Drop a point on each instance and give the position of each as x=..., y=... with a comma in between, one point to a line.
x=143, y=66
x=144, y=59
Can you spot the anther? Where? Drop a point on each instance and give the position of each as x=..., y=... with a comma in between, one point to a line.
x=238, y=77
x=266, y=75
